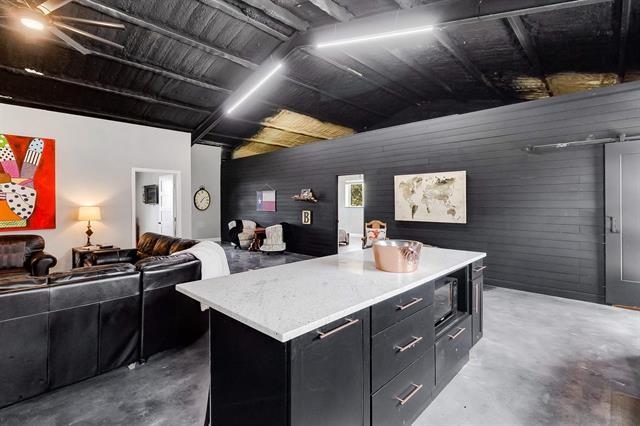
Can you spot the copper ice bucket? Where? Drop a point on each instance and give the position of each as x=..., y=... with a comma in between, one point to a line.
x=397, y=255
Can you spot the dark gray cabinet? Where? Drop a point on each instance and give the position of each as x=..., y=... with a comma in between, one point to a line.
x=379, y=366
x=321, y=377
x=330, y=374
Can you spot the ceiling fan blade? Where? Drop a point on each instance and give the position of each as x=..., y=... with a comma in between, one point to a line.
x=71, y=42
x=50, y=5
x=88, y=35
x=113, y=25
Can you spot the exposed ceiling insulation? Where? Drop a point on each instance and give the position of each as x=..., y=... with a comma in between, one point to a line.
x=571, y=82
x=182, y=59
x=530, y=88
x=288, y=129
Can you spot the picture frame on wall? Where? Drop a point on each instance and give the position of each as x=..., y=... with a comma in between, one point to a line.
x=431, y=197
x=266, y=201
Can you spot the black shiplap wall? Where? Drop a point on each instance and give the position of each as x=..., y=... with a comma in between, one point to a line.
x=539, y=217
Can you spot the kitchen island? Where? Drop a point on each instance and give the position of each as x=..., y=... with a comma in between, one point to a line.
x=332, y=340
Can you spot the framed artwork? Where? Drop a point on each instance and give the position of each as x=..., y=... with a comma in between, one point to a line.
x=266, y=201
x=150, y=195
x=27, y=183
x=431, y=197
x=306, y=217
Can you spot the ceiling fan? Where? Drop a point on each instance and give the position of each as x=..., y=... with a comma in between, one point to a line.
x=40, y=18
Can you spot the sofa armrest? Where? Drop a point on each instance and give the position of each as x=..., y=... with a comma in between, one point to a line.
x=108, y=257
x=41, y=262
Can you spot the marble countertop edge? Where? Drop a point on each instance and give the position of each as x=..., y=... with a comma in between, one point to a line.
x=192, y=290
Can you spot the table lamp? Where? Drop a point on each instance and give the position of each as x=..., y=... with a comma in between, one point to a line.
x=89, y=214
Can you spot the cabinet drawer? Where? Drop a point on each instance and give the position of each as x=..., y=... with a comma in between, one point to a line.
x=452, y=351
x=401, y=400
x=400, y=307
x=477, y=268
x=400, y=345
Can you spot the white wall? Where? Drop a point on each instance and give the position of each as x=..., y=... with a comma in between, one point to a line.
x=350, y=219
x=94, y=162
x=205, y=171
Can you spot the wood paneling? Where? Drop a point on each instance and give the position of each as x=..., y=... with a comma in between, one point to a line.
x=538, y=216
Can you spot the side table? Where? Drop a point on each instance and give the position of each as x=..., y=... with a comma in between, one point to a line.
x=80, y=254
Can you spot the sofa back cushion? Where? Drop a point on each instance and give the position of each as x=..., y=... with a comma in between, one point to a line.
x=151, y=244
x=12, y=254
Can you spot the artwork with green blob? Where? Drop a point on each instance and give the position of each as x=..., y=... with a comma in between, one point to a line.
x=431, y=197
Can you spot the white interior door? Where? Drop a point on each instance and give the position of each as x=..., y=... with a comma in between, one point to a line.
x=166, y=204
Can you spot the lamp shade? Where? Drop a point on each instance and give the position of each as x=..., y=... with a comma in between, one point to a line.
x=89, y=213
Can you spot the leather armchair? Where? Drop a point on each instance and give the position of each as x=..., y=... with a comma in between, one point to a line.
x=24, y=254
x=242, y=238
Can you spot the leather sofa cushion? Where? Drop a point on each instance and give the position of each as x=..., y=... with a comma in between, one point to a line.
x=151, y=244
x=90, y=272
x=12, y=254
x=34, y=243
x=158, y=262
x=20, y=281
x=23, y=302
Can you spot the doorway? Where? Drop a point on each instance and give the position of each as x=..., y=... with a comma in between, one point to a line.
x=155, y=202
x=622, y=210
x=351, y=199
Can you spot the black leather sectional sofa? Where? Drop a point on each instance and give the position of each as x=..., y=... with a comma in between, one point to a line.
x=66, y=327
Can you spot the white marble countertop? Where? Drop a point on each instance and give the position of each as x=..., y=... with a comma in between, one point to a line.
x=287, y=301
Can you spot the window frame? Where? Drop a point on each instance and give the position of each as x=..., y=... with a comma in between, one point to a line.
x=347, y=194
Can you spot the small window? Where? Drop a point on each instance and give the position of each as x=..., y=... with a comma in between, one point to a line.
x=354, y=194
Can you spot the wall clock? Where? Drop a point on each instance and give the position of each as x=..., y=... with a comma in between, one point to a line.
x=202, y=199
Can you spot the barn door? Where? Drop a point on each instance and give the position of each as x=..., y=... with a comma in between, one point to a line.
x=622, y=221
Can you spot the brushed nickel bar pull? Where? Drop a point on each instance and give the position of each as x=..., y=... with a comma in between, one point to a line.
x=480, y=268
x=350, y=322
x=416, y=389
x=460, y=330
x=410, y=304
x=476, y=302
x=409, y=345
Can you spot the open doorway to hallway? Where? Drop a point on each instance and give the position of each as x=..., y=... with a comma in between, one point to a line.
x=155, y=206
x=351, y=199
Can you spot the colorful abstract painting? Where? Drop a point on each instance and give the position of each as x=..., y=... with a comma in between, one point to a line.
x=266, y=201
x=27, y=183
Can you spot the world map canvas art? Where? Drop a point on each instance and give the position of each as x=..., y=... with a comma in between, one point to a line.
x=431, y=197
x=27, y=183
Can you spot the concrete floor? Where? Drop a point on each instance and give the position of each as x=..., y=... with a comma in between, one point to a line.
x=543, y=360
x=546, y=361
x=243, y=260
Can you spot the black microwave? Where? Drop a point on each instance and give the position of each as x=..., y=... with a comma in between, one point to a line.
x=445, y=299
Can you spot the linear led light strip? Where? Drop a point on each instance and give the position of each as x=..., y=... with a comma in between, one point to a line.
x=254, y=88
x=361, y=39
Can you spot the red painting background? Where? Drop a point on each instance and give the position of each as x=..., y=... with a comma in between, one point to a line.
x=44, y=181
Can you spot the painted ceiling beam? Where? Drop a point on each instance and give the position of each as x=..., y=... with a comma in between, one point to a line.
x=462, y=57
x=90, y=113
x=372, y=68
x=359, y=75
x=625, y=17
x=238, y=14
x=406, y=4
x=171, y=33
x=279, y=14
x=444, y=14
x=333, y=9
x=419, y=69
x=109, y=89
x=207, y=48
x=529, y=47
